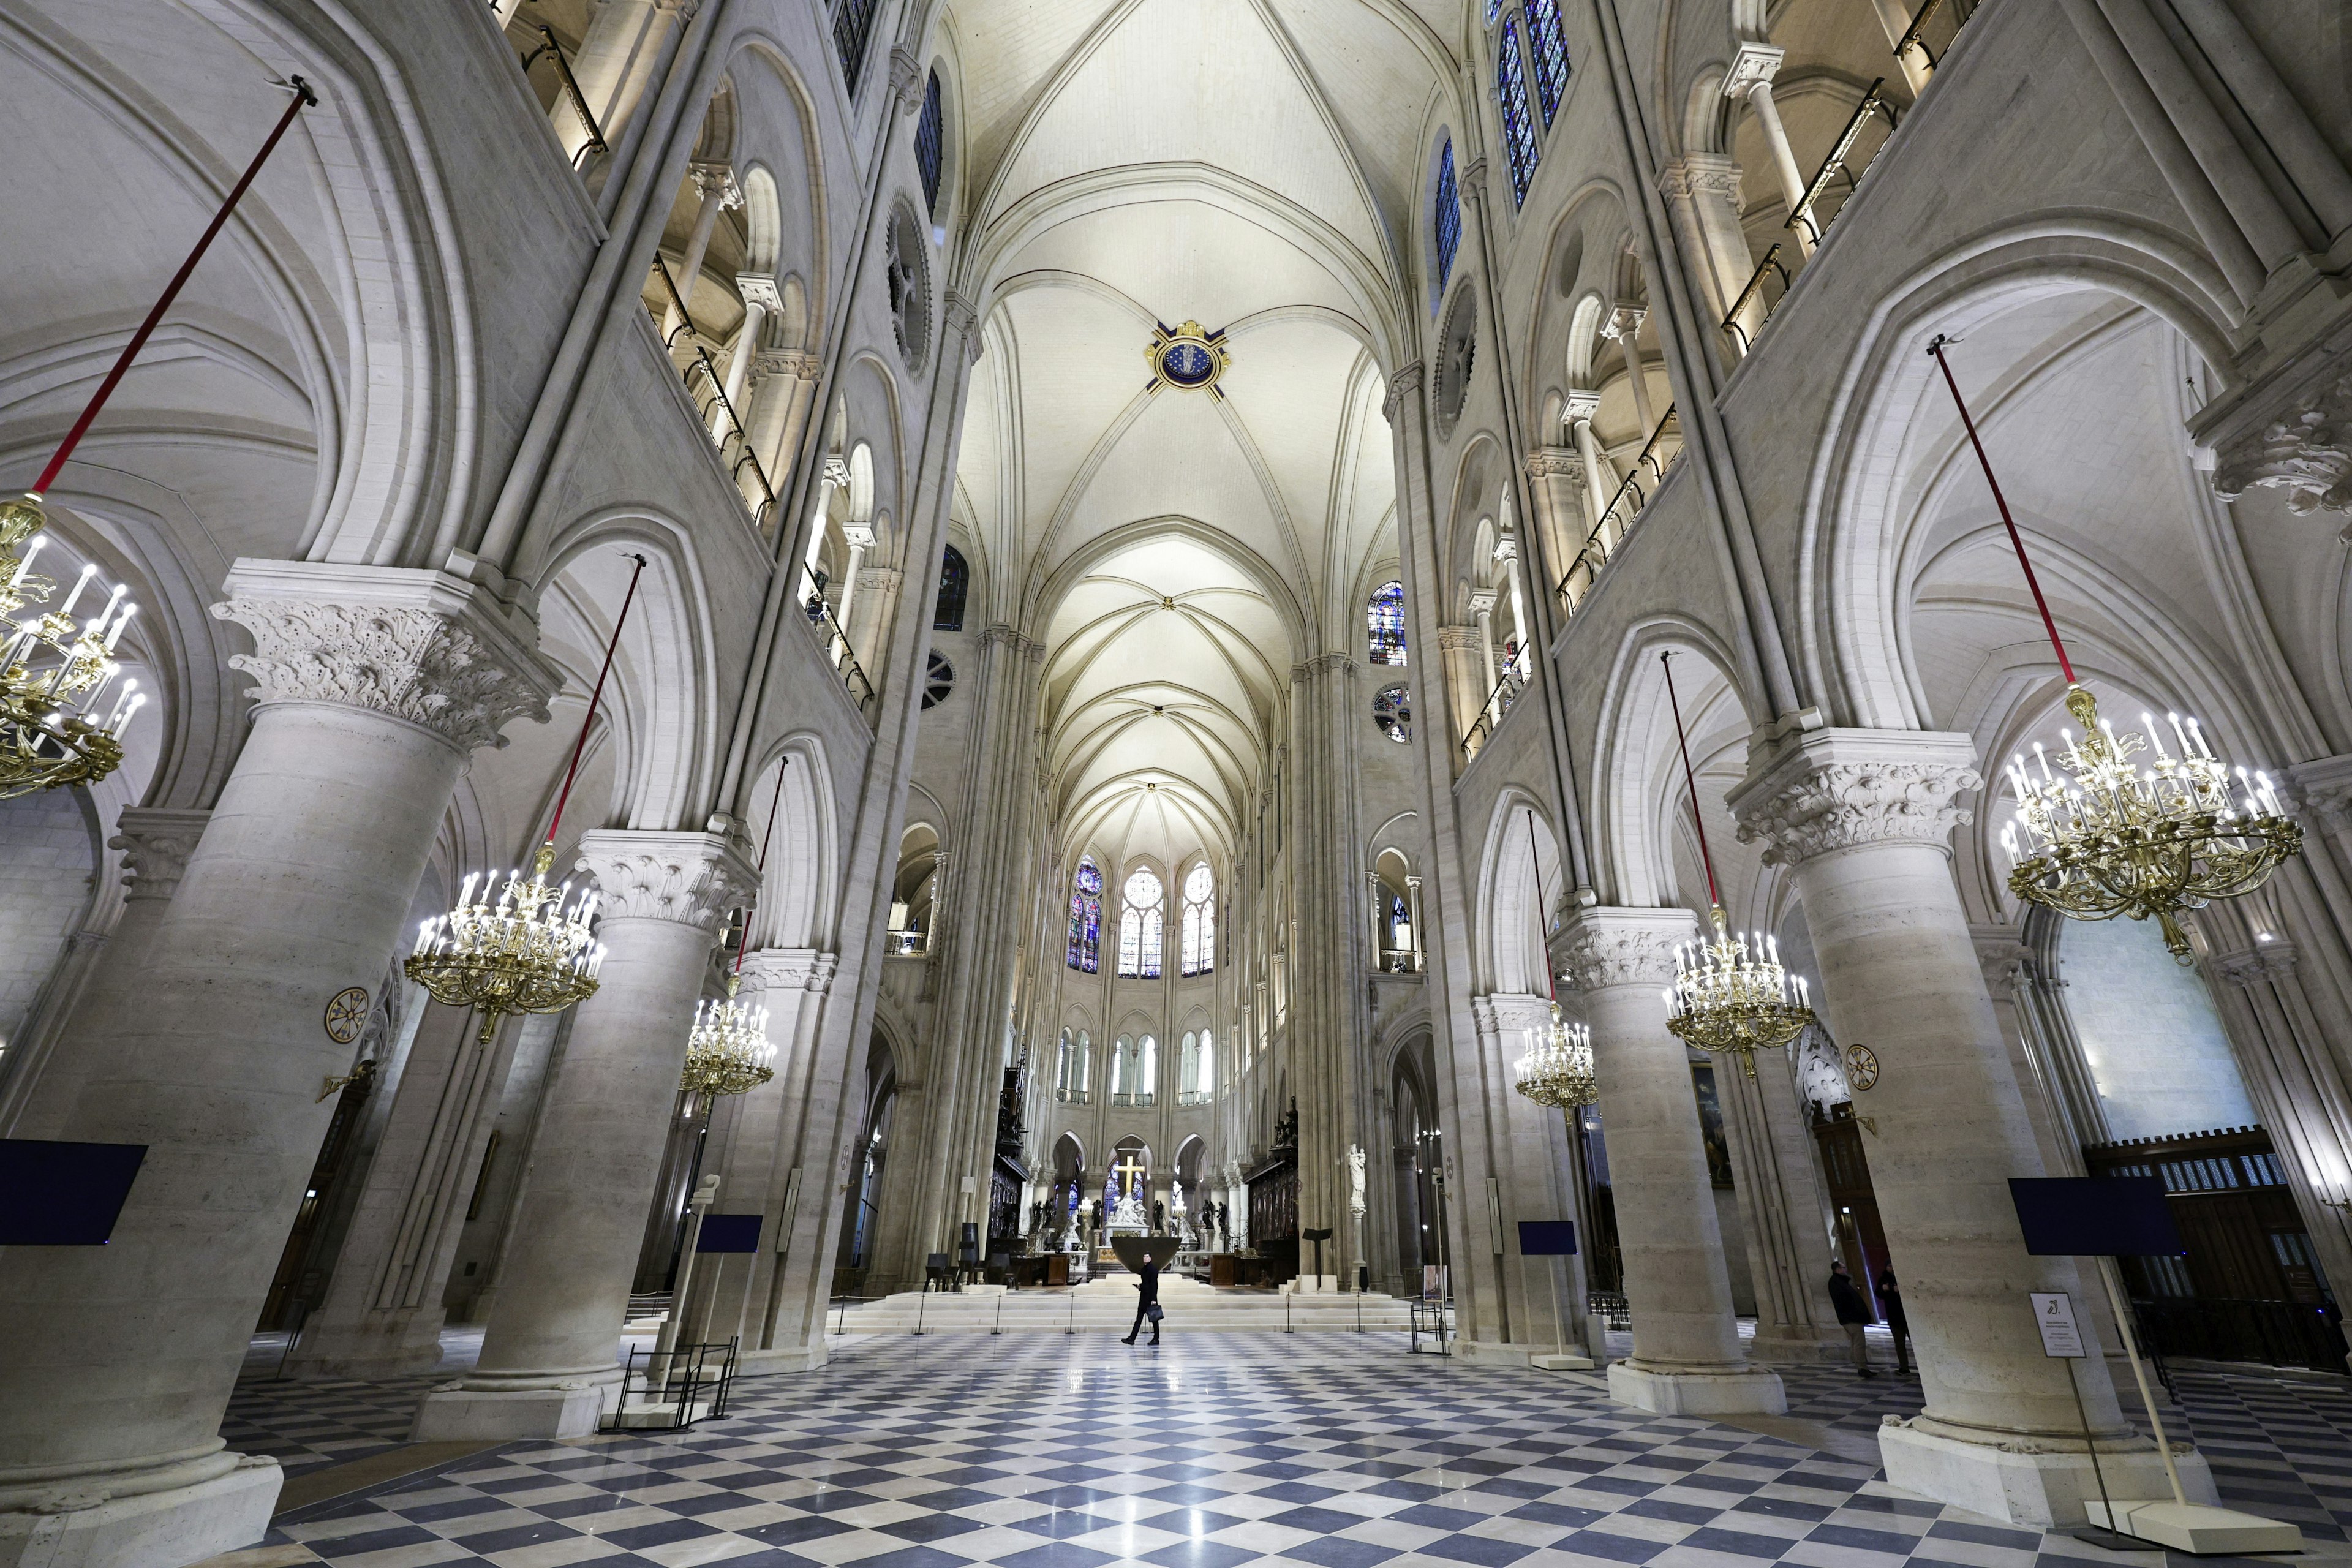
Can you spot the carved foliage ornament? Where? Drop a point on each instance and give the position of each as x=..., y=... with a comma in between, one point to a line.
x=689, y=877
x=1838, y=806
x=409, y=662
x=2308, y=454
x=1600, y=952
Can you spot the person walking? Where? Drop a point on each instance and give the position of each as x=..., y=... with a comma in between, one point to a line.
x=1853, y=1312
x=1890, y=1306
x=1147, y=1306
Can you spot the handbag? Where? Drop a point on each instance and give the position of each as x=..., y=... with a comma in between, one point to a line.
x=1152, y=1312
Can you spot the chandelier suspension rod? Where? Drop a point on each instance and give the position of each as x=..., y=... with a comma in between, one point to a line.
x=767, y=836
x=2016, y=540
x=1690, y=781
x=594, y=697
x=303, y=98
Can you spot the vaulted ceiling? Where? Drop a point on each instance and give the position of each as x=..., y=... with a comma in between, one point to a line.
x=1247, y=164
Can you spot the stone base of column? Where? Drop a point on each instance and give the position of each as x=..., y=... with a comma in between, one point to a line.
x=365, y=1356
x=1554, y=1361
x=784, y=1358
x=2028, y=1486
x=573, y=1408
x=1799, y=1348
x=149, y=1530
x=1490, y=1352
x=1697, y=1391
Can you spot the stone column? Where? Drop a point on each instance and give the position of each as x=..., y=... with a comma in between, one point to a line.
x=549, y=1360
x=1482, y=606
x=375, y=683
x=155, y=842
x=1457, y=652
x=382, y=1316
x=1554, y=480
x=1702, y=196
x=860, y=537
x=1863, y=817
x=1784, y=1212
x=1752, y=70
x=1601, y=479
x=717, y=190
x=1507, y=556
x=759, y=296
x=1623, y=325
x=1687, y=1357
x=1532, y=1182
x=1413, y=903
x=617, y=57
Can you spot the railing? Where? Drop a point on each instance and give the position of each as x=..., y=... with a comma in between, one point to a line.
x=1398, y=960
x=1073, y=1095
x=568, y=86
x=1611, y=1308
x=1498, y=702
x=1874, y=102
x=712, y=405
x=838, y=652
x=904, y=943
x=1141, y=1100
x=1193, y=1097
x=1618, y=516
x=668, y=1391
x=1956, y=12
x=1743, y=333
x=2274, y=1334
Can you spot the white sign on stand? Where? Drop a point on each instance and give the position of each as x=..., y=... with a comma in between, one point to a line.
x=2053, y=1314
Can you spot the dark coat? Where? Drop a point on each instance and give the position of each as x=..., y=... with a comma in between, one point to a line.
x=1850, y=1307
x=1890, y=1302
x=1150, y=1283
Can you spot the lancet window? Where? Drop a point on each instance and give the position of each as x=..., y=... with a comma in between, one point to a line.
x=932, y=145
x=1200, y=921
x=1384, y=620
x=955, y=581
x=1085, y=919
x=1547, y=44
x=852, y=27
x=1446, y=222
x=1140, y=925
x=1511, y=95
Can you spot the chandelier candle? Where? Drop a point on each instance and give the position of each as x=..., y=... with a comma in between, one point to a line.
x=2109, y=838
x=728, y=1051
x=1558, y=1070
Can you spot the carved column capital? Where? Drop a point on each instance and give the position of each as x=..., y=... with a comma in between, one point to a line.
x=1623, y=322
x=715, y=182
x=2323, y=787
x=1753, y=67
x=426, y=647
x=2304, y=447
x=692, y=878
x=1554, y=463
x=2268, y=963
x=906, y=76
x=962, y=318
x=788, y=362
x=2007, y=962
x=1457, y=639
x=156, y=842
x=1403, y=381
x=1825, y=790
x=1510, y=1010
x=1602, y=947
x=792, y=969
x=1696, y=174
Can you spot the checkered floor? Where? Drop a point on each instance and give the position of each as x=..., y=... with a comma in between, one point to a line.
x=1047, y=1452
x=2279, y=1446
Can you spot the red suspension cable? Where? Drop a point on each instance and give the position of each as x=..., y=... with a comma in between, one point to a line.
x=303, y=98
x=594, y=697
x=2016, y=540
x=1690, y=781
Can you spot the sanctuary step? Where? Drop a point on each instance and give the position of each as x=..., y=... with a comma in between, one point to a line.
x=1109, y=1303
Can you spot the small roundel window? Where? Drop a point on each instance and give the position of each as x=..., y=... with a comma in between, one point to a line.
x=1392, y=711
x=1187, y=364
x=938, y=680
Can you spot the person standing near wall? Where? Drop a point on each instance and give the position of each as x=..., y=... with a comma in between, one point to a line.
x=1890, y=1306
x=1854, y=1314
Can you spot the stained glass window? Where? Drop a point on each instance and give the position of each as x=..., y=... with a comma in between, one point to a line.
x=1139, y=925
x=853, y=26
x=1384, y=618
x=1200, y=921
x=931, y=143
x=1548, y=42
x=1511, y=91
x=1448, y=218
x=1392, y=711
x=955, y=581
x=1085, y=919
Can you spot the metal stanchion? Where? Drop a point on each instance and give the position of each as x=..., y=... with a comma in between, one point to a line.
x=1000, y=1317
x=1073, y=1327
x=921, y=1302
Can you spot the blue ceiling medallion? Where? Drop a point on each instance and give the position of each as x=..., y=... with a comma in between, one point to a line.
x=1187, y=358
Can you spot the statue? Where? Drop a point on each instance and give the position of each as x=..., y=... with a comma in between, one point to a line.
x=1159, y=1218
x=1355, y=1178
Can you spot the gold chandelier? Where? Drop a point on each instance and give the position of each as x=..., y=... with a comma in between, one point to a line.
x=1557, y=1070
x=52, y=731
x=1730, y=995
x=2110, y=839
x=728, y=1051
x=56, y=725
x=534, y=950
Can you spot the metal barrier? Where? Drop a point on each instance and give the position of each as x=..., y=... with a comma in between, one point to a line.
x=837, y=651
x=568, y=86
x=675, y=1388
x=2272, y=1333
x=707, y=392
x=1498, y=702
x=1610, y=1308
x=1743, y=332
x=1434, y=1319
x=1914, y=38
x=1874, y=102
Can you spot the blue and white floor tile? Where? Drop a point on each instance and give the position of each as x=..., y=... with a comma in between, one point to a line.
x=1047, y=1452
